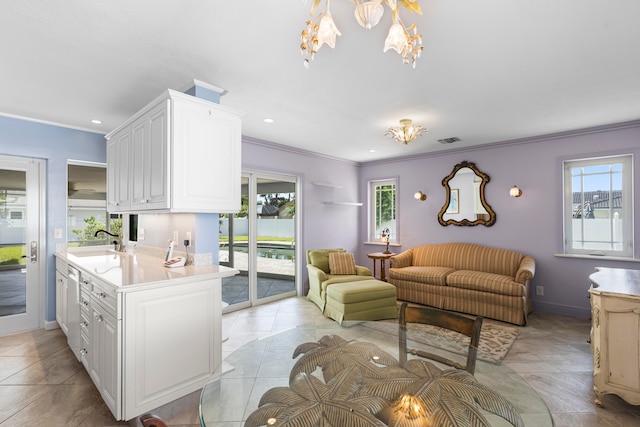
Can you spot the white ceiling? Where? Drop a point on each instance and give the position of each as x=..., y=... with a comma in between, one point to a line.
x=492, y=70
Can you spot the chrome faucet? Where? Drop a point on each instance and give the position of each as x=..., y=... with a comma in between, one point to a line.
x=117, y=244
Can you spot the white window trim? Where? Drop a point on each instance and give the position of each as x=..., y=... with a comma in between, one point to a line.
x=627, y=252
x=372, y=238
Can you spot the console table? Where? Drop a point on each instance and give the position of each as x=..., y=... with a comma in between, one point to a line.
x=264, y=364
x=615, y=332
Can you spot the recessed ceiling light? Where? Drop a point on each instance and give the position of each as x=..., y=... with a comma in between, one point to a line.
x=372, y=151
x=96, y=122
x=269, y=120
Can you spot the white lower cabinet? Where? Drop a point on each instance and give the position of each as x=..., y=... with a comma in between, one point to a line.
x=172, y=343
x=62, y=291
x=144, y=348
x=105, y=348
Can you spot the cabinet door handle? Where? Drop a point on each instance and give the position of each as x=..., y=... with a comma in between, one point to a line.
x=100, y=295
x=84, y=324
x=85, y=303
x=83, y=352
x=99, y=318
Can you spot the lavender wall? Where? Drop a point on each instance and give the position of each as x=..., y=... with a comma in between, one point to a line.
x=323, y=226
x=531, y=224
x=56, y=145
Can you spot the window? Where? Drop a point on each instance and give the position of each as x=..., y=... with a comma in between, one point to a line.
x=382, y=209
x=598, y=206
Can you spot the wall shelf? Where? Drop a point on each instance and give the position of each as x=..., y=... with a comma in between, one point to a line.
x=326, y=184
x=344, y=203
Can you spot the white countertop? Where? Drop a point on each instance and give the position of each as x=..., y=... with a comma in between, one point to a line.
x=615, y=281
x=127, y=270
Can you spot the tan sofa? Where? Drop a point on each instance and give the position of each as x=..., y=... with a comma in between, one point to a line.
x=467, y=278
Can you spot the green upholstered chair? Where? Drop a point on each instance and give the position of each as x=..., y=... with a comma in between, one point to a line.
x=320, y=277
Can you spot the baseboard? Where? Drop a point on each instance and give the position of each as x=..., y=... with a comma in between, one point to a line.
x=564, y=310
x=50, y=325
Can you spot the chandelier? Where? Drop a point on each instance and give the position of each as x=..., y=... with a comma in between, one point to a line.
x=405, y=133
x=321, y=29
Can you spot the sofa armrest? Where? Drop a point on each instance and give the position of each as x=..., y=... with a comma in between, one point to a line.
x=362, y=271
x=316, y=277
x=401, y=260
x=526, y=270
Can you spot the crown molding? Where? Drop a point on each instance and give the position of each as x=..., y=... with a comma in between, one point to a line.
x=49, y=123
x=294, y=150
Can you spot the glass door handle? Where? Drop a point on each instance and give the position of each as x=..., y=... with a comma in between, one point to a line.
x=34, y=252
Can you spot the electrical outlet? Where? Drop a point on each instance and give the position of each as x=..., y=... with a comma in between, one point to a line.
x=540, y=291
x=175, y=237
x=188, y=237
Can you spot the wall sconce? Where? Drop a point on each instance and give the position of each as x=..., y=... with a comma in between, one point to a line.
x=384, y=237
x=515, y=192
x=419, y=195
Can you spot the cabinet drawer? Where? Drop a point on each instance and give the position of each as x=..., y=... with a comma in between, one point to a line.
x=85, y=347
x=85, y=323
x=104, y=295
x=85, y=303
x=85, y=283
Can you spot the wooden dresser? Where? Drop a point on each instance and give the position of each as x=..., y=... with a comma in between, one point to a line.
x=615, y=333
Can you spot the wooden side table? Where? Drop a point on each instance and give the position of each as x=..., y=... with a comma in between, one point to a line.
x=383, y=258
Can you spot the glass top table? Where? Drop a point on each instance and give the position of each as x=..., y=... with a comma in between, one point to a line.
x=266, y=363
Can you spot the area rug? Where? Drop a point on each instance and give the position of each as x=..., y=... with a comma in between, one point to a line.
x=495, y=338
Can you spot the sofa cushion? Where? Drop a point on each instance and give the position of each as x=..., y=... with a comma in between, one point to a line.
x=468, y=256
x=341, y=263
x=485, y=282
x=342, y=278
x=430, y=275
x=320, y=258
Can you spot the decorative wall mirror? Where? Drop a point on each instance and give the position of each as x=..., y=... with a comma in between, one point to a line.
x=465, y=203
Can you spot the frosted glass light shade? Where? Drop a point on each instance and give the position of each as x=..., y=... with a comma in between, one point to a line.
x=327, y=31
x=368, y=14
x=396, y=39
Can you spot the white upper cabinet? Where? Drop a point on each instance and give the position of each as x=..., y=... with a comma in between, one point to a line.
x=183, y=155
x=118, y=181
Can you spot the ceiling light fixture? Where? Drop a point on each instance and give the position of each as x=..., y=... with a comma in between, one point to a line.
x=96, y=122
x=405, y=133
x=321, y=29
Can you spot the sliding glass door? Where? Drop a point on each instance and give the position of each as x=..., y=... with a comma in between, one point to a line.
x=260, y=242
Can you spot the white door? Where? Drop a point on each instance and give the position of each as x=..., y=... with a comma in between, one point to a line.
x=21, y=230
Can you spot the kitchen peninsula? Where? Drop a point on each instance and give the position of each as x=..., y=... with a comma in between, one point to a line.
x=148, y=334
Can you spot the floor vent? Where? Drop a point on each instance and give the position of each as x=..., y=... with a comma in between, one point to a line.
x=449, y=140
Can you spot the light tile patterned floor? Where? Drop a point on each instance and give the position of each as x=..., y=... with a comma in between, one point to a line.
x=41, y=383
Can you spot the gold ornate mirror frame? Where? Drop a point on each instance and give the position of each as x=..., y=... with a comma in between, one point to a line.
x=481, y=214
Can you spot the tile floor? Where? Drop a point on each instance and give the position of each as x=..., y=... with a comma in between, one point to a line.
x=41, y=383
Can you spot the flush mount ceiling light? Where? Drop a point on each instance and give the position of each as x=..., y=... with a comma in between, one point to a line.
x=405, y=133
x=321, y=29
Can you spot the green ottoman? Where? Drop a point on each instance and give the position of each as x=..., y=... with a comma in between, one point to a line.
x=361, y=300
